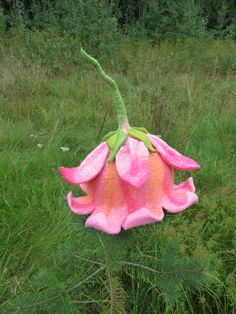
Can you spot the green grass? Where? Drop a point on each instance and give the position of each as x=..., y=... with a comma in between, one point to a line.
x=184, y=91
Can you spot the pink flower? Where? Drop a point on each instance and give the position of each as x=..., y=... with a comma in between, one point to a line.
x=133, y=189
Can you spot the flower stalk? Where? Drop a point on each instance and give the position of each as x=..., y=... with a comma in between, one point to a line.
x=118, y=99
x=129, y=177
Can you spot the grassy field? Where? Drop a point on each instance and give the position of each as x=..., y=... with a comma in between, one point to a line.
x=184, y=91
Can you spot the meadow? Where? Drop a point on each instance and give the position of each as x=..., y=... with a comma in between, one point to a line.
x=49, y=98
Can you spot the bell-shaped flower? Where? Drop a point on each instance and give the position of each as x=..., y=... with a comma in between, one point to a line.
x=133, y=189
x=129, y=178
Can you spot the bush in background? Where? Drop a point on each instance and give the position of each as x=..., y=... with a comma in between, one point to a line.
x=100, y=24
x=89, y=21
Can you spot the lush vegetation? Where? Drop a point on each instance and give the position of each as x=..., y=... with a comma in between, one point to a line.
x=176, y=85
x=183, y=91
x=99, y=22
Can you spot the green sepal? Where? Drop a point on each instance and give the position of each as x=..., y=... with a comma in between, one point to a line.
x=108, y=135
x=115, y=142
x=133, y=132
x=144, y=130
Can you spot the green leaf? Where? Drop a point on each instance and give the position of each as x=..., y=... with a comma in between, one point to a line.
x=142, y=137
x=108, y=135
x=115, y=142
x=144, y=130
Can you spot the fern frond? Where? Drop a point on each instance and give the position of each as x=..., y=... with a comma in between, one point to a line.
x=116, y=297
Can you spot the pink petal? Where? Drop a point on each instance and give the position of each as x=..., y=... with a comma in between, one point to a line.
x=111, y=223
x=180, y=197
x=80, y=205
x=84, y=187
x=132, y=162
x=89, y=168
x=186, y=186
x=143, y=216
x=171, y=156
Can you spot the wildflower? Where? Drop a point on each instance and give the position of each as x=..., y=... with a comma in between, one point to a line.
x=40, y=145
x=129, y=177
x=64, y=148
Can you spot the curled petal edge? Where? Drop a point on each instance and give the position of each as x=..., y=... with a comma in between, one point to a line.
x=142, y=216
x=181, y=197
x=80, y=205
x=89, y=168
x=172, y=157
x=110, y=224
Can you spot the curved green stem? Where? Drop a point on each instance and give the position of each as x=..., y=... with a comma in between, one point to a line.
x=118, y=99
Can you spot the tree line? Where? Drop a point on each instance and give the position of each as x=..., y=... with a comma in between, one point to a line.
x=154, y=19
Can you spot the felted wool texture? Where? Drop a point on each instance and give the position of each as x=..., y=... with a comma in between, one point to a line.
x=114, y=198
